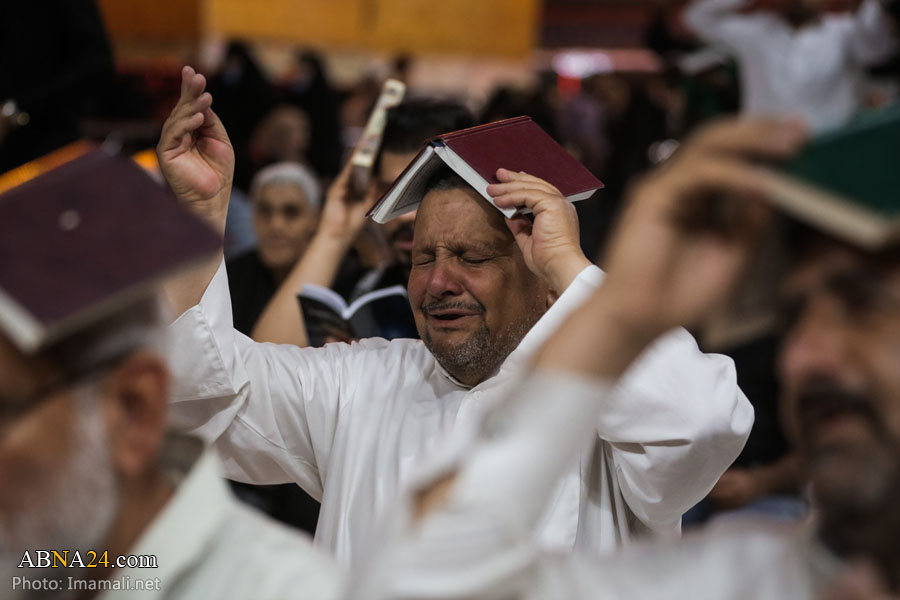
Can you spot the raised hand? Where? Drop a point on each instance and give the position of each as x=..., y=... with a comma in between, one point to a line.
x=195, y=154
x=676, y=253
x=550, y=244
x=689, y=227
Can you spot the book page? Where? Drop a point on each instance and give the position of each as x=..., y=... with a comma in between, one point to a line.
x=394, y=290
x=405, y=194
x=326, y=296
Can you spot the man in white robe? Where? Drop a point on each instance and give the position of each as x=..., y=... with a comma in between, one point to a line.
x=349, y=422
x=464, y=530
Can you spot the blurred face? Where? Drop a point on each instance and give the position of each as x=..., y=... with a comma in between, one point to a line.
x=59, y=486
x=398, y=232
x=283, y=135
x=284, y=223
x=840, y=368
x=472, y=295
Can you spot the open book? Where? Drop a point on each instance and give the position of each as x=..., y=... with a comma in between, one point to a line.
x=328, y=317
x=476, y=153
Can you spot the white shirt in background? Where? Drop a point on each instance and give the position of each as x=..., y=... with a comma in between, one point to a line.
x=813, y=72
x=350, y=423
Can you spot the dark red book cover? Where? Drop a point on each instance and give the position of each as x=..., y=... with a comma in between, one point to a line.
x=519, y=144
x=86, y=234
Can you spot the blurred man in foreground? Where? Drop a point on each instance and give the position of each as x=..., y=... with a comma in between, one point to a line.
x=87, y=463
x=463, y=532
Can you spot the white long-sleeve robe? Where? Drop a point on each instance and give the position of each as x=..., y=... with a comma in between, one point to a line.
x=349, y=423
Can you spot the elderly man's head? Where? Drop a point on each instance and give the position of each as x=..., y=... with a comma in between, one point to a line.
x=840, y=367
x=286, y=199
x=472, y=295
x=80, y=430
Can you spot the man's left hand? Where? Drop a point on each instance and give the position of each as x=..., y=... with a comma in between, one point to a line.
x=550, y=244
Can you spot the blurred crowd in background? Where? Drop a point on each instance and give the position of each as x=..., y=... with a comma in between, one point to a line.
x=617, y=117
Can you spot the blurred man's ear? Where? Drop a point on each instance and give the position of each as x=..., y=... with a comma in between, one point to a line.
x=135, y=398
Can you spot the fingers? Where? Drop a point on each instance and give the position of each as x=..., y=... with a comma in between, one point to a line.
x=211, y=125
x=519, y=226
x=192, y=107
x=500, y=189
x=182, y=128
x=187, y=72
x=724, y=195
x=192, y=83
x=724, y=174
x=532, y=199
x=182, y=123
x=520, y=190
x=713, y=183
x=190, y=113
x=751, y=137
x=507, y=177
x=193, y=99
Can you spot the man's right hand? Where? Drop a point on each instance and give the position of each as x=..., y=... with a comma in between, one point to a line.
x=195, y=154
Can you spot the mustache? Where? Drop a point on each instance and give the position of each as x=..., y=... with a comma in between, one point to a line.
x=823, y=398
x=453, y=305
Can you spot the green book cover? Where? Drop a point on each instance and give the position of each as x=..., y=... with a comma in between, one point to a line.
x=857, y=167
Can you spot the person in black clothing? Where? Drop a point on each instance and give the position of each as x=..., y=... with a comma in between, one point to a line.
x=766, y=477
x=285, y=198
x=308, y=88
x=243, y=97
x=55, y=61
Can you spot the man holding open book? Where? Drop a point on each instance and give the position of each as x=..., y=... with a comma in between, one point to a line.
x=464, y=530
x=349, y=422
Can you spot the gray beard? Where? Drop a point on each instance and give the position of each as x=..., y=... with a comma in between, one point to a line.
x=856, y=495
x=74, y=511
x=481, y=354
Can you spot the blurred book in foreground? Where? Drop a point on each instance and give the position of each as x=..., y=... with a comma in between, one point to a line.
x=85, y=238
x=328, y=318
x=846, y=181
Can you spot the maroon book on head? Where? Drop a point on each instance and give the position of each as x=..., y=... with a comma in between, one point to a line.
x=82, y=240
x=476, y=153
